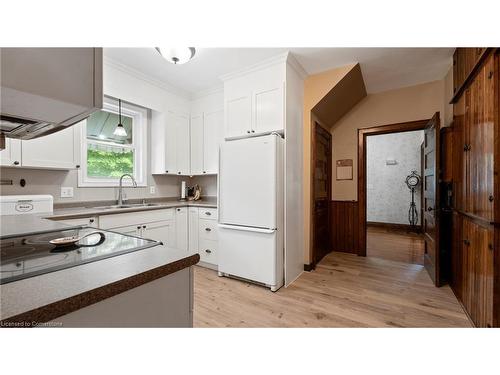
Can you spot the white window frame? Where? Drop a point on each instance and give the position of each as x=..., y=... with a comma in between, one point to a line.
x=139, y=145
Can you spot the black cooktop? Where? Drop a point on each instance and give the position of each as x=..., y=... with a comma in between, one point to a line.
x=28, y=256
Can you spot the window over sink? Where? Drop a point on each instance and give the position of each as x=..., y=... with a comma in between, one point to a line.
x=107, y=156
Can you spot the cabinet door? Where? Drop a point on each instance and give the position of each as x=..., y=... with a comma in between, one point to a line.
x=193, y=230
x=162, y=231
x=170, y=144
x=182, y=144
x=181, y=228
x=55, y=151
x=11, y=155
x=238, y=116
x=89, y=221
x=481, y=142
x=268, y=108
x=197, y=149
x=211, y=126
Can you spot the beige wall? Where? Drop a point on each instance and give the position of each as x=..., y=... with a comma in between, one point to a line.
x=315, y=88
x=389, y=107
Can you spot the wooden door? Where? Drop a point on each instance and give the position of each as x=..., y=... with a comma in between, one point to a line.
x=322, y=180
x=431, y=199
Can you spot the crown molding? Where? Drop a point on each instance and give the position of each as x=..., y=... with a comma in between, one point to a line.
x=293, y=62
x=207, y=92
x=146, y=78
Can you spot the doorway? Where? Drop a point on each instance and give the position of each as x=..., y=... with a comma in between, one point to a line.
x=430, y=187
x=321, y=165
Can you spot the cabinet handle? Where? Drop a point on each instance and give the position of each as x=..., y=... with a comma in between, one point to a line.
x=178, y=209
x=16, y=163
x=208, y=251
x=208, y=229
x=208, y=213
x=143, y=227
x=491, y=198
x=139, y=227
x=91, y=220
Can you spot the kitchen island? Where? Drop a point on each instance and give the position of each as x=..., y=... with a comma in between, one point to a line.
x=143, y=287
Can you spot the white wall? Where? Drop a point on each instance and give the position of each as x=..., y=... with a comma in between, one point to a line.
x=388, y=197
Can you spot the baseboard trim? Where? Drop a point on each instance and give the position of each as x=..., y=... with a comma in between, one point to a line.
x=394, y=226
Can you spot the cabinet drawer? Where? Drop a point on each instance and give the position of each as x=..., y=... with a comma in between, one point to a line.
x=208, y=251
x=131, y=218
x=90, y=221
x=208, y=229
x=208, y=213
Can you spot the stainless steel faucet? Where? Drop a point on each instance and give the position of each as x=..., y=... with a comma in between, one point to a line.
x=120, y=189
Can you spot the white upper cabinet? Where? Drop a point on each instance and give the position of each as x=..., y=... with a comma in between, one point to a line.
x=238, y=116
x=197, y=150
x=182, y=144
x=211, y=136
x=268, y=109
x=11, y=155
x=59, y=150
x=170, y=143
x=254, y=101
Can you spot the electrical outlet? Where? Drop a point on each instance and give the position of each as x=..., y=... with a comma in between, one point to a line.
x=152, y=189
x=66, y=192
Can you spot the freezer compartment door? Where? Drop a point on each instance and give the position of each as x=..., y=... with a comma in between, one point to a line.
x=255, y=255
x=248, y=181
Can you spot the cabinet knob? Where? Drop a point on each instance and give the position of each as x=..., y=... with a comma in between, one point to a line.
x=208, y=213
x=208, y=229
x=248, y=131
x=178, y=172
x=77, y=166
x=16, y=162
x=178, y=209
x=208, y=251
x=430, y=208
x=253, y=131
x=491, y=198
x=138, y=227
x=143, y=227
x=91, y=220
x=204, y=171
x=166, y=171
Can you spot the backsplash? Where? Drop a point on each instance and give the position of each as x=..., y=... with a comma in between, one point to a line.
x=50, y=182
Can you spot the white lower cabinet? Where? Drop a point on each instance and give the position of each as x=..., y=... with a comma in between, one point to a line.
x=193, y=230
x=163, y=231
x=181, y=228
x=89, y=221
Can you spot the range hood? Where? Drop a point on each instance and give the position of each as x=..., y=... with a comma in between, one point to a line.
x=44, y=90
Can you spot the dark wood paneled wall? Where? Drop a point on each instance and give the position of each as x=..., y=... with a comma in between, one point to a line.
x=344, y=226
x=476, y=249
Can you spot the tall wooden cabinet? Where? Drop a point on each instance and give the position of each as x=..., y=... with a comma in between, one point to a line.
x=475, y=275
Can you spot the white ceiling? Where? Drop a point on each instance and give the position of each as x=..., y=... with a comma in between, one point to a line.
x=382, y=68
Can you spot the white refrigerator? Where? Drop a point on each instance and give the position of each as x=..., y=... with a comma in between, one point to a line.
x=251, y=210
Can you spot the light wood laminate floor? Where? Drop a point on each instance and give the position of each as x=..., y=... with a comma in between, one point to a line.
x=398, y=245
x=344, y=291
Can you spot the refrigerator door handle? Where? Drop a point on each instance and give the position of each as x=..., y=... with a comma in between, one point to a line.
x=247, y=229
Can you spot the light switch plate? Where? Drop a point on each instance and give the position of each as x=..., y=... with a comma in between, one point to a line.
x=66, y=192
x=152, y=189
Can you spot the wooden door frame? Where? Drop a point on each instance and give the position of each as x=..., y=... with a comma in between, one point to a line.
x=312, y=252
x=362, y=134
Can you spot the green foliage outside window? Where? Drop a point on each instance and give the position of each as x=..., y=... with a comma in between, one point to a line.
x=109, y=164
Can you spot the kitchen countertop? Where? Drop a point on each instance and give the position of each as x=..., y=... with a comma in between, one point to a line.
x=45, y=297
x=86, y=209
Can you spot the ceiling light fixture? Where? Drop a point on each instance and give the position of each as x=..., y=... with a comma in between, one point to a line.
x=177, y=55
x=120, y=130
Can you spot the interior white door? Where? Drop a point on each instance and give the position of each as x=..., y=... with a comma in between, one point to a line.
x=197, y=147
x=269, y=109
x=170, y=144
x=238, y=116
x=248, y=186
x=11, y=155
x=212, y=124
x=55, y=150
x=182, y=144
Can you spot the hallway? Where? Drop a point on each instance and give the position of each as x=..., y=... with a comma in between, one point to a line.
x=394, y=244
x=344, y=291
